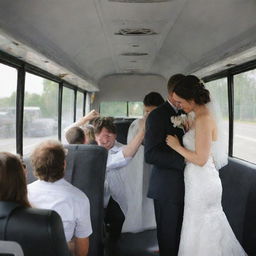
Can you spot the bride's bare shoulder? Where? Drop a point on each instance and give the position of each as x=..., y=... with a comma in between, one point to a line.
x=204, y=118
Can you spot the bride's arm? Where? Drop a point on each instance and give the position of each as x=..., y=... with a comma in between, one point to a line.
x=203, y=138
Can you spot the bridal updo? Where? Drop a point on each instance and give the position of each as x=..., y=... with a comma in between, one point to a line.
x=191, y=88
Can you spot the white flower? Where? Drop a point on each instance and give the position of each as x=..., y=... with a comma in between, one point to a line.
x=183, y=121
x=179, y=121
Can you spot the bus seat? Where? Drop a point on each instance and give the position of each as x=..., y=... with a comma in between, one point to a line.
x=122, y=127
x=86, y=166
x=239, y=200
x=10, y=248
x=39, y=232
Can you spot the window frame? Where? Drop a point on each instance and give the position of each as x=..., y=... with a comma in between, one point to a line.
x=23, y=67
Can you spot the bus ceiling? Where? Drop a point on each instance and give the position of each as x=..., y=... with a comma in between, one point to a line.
x=84, y=41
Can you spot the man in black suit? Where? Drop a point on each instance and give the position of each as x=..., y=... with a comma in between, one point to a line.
x=167, y=180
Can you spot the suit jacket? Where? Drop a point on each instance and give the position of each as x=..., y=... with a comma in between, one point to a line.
x=167, y=178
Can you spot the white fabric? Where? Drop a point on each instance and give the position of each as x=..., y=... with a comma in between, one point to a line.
x=205, y=228
x=10, y=248
x=114, y=183
x=219, y=149
x=140, y=214
x=68, y=201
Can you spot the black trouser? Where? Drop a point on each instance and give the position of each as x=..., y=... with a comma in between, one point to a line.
x=114, y=219
x=169, y=220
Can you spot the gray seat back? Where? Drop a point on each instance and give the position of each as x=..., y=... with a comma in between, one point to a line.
x=38, y=232
x=239, y=200
x=86, y=166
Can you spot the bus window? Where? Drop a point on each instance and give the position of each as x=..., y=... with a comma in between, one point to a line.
x=79, y=105
x=135, y=109
x=40, y=111
x=8, y=83
x=245, y=116
x=122, y=109
x=67, y=108
x=113, y=108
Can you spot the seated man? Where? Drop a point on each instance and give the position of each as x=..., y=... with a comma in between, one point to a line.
x=119, y=155
x=75, y=135
x=83, y=123
x=51, y=191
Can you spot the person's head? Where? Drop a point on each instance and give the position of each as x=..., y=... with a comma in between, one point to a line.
x=105, y=132
x=48, y=161
x=89, y=134
x=171, y=84
x=13, y=186
x=151, y=101
x=190, y=92
x=75, y=135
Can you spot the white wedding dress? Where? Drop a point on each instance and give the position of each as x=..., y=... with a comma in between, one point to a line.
x=205, y=229
x=140, y=213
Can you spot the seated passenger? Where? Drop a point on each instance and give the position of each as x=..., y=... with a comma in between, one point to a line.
x=119, y=155
x=83, y=123
x=75, y=135
x=89, y=134
x=140, y=215
x=51, y=191
x=13, y=186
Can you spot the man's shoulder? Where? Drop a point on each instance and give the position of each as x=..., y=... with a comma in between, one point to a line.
x=160, y=111
x=33, y=185
x=74, y=192
x=116, y=147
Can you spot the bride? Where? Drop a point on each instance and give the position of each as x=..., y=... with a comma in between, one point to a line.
x=205, y=228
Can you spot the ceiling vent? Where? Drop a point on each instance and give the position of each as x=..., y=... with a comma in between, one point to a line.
x=132, y=70
x=140, y=1
x=135, y=32
x=134, y=54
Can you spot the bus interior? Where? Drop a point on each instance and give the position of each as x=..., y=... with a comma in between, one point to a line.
x=60, y=59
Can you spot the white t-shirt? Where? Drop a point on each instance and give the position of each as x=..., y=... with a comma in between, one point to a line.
x=114, y=183
x=68, y=201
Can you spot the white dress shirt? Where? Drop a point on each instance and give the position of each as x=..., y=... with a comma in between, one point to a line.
x=114, y=183
x=174, y=107
x=68, y=201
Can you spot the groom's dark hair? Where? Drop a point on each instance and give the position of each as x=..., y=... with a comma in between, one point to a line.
x=173, y=81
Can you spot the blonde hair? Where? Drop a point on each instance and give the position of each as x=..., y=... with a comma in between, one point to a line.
x=89, y=133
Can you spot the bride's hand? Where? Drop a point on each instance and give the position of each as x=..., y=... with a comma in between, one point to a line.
x=172, y=141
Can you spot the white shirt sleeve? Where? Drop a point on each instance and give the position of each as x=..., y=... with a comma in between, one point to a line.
x=116, y=159
x=83, y=226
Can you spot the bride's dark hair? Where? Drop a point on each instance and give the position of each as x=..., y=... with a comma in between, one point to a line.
x=191, y=88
